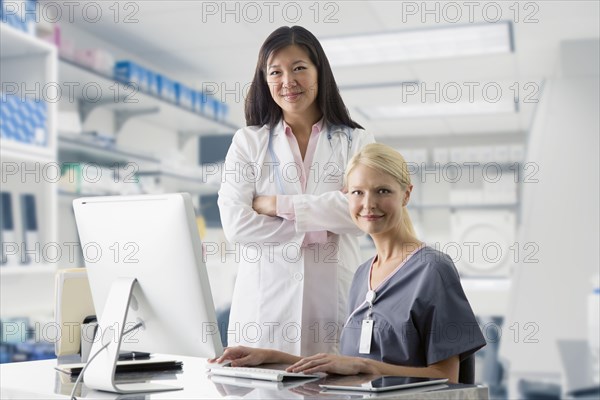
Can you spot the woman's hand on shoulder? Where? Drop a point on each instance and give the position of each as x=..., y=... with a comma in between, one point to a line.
x=241, y=356
x=331, y=363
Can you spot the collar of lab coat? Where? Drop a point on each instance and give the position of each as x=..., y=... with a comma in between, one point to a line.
x=281, y=148
x=319, y=125
x=280, y=127
x=326, y=153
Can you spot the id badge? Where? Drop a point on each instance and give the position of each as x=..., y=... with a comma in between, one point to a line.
x=366, y=333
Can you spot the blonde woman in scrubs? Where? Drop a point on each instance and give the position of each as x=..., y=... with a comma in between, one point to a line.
x=407, y=299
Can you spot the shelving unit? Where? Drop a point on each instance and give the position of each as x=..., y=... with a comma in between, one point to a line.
x=128, y=101
x=90, y=92
x=80, y=149
x=30, y=64
x=472, y=202
x=29, y=68
x=423, y=174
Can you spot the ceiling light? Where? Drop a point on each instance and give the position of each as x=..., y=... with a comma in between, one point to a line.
x=420, y=44
x=436, y=109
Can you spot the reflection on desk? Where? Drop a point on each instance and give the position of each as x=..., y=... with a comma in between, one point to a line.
x=39, y=379
x=64, y=383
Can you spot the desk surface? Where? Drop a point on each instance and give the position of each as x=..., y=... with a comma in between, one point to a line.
x=39, y=380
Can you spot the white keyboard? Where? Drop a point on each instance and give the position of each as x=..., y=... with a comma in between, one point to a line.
x=266, y=374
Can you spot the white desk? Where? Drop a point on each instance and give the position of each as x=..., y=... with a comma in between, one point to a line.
x=39, y=380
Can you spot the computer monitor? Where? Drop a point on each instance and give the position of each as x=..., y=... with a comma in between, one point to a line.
x=144, y=260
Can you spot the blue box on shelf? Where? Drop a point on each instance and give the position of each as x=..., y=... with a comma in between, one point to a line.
x=32, y=351
x=35, y=114
x=31, y=14
x=167, y=88
x=14, y=330
x=152, y=82
x=214, y=108
x=14, y=21
x=223, y=111
x=186, y=97
x=20, y=14
x=18, y=341
x=23, y=120
x=6, y=353
x=10, y=113
x=201, y=102
x=7, y=127
x=132, y=73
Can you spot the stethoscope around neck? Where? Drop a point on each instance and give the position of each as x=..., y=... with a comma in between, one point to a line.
x=338, y=130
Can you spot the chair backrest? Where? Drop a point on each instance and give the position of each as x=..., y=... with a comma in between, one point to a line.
x=466, y=372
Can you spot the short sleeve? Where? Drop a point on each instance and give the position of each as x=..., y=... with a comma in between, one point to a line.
x=448, y=324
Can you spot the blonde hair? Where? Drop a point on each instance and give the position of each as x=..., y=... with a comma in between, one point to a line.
x=386, y=160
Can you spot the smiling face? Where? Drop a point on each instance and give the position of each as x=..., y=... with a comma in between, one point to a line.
x=376, y=200
x=293, y=82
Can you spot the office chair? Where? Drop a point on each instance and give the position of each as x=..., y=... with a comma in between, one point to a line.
x=466, y=370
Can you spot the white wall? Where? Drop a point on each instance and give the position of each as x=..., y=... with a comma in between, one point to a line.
x=560, y=215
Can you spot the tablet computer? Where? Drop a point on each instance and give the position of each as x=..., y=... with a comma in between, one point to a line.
x=385, y=383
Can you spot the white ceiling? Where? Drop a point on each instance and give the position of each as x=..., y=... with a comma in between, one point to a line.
x=183, y=38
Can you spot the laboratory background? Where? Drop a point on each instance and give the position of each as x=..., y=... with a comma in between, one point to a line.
x=494, y=105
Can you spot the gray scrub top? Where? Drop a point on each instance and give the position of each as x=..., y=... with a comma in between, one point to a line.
x=421, y=314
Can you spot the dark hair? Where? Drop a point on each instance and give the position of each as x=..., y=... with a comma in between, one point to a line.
x=261, y=109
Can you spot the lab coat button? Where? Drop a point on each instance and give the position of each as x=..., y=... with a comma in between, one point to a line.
x=298, y=276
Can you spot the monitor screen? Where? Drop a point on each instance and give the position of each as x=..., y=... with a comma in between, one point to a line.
x=154, y=240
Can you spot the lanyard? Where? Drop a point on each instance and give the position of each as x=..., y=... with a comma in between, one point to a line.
x=372, y=294
x=366, y=332
x=370, y=299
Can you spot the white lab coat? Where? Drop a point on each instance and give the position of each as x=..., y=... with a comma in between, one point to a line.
x=286, y=297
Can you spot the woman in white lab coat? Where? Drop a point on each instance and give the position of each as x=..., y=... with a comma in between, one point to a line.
x=281, y=204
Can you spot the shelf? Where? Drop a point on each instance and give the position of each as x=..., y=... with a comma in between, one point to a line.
x=195, y=178
x=27, y=152
x=193, y=174
x=15, y=43
x=476, y=164
x=491, y=206
x=119, y=96
x=192, y=187
x=20, y=270
x=81, y=149
x=465, y=165
x=65, y=193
